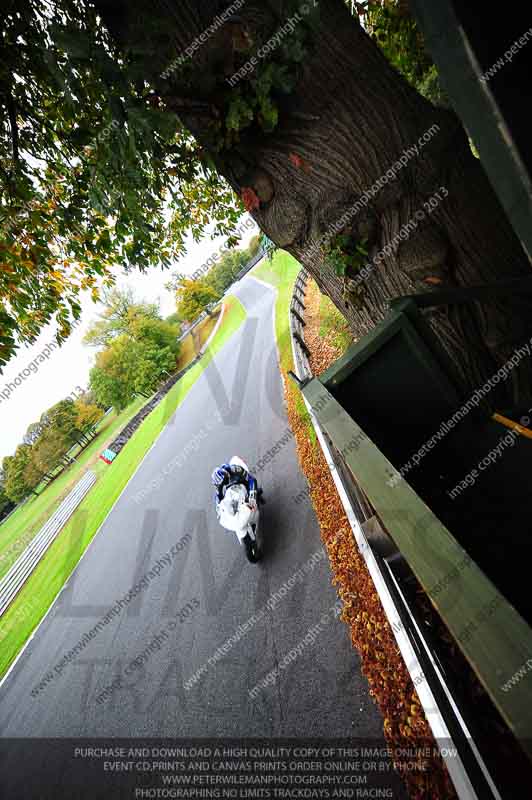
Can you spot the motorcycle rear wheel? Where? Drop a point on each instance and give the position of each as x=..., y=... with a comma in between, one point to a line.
x=252, y=551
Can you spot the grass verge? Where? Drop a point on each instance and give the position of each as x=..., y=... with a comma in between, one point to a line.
x=44, y=584
x=333, y=325
x=24, y=523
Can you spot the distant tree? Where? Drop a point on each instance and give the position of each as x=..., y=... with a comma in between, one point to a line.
x=120, y=310
x=154, y=365
x=138, y=349
x=62, y=419
x=156, y=331
x=88, y=415
x=88, y=398
x=39, y=468
x=17, y=484
x=6, y=504
x=60, y=427
x=112, y=379
x=33, y=432
x=129, y=367
x=193, y=296
x=174, y=319
x=48, y=453
x=4, y=499
x=51, y=438
x=223, y=274
x=46, y=444
x=254, y=246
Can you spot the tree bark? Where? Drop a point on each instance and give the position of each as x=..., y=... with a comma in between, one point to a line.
x=350, y=117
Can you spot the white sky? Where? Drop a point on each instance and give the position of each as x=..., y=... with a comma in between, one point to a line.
x=68, y=366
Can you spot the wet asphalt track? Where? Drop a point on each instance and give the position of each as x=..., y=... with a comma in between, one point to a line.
x=320, y=694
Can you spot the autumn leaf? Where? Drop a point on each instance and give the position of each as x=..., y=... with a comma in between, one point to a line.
x=249, y=198
x=299, y=162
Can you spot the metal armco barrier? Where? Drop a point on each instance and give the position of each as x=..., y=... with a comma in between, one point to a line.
x=204, y=314
x=250, y=264
x=19, y=573
x=297, y=323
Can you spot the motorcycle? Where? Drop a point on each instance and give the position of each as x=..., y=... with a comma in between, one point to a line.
x=238, y=511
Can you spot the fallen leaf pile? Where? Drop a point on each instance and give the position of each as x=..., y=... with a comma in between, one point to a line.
x=390, y=684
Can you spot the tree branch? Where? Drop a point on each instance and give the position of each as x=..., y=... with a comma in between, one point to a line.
x=12, y=114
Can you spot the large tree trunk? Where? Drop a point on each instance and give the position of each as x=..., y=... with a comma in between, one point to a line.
x=350, y=117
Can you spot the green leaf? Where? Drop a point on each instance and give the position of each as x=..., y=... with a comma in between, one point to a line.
x=72, y=40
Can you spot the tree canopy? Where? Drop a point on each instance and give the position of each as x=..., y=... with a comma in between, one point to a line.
x=46, y=443
x=194, y=295
x=119, y=311
x=95, y=173
x=6, y=504
x=96, y=168
x=138, y=349
x=393, y=27
x=16, y=484
x=119, y=136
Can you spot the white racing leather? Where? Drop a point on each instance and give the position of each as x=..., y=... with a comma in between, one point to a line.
x=234, y=513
